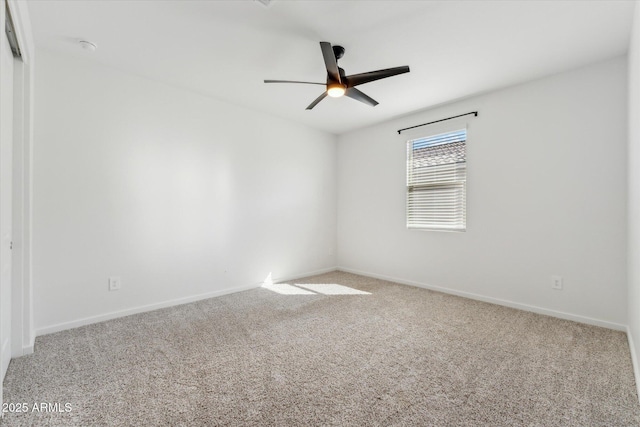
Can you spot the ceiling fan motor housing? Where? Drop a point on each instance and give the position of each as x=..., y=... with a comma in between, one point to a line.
x=343, y=77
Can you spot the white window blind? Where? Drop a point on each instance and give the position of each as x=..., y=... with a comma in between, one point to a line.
x=437, y=181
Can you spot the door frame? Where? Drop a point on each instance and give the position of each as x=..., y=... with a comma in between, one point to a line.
x=22, y=325
x=6, y=191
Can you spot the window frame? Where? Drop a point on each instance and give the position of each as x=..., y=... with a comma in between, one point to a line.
x=422, y=135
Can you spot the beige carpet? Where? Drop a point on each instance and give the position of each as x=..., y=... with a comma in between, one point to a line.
x=286, y=356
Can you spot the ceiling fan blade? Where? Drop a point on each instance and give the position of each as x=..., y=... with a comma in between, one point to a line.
x=318, y=99
x=330, y=61
x=358, y=79
x=354, y=93
x=293, y=81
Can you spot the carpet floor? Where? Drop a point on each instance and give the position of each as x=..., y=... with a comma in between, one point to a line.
x=333, y=350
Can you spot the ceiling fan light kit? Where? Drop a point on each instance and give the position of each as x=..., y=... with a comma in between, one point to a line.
x=336, y=90
x=339, y=84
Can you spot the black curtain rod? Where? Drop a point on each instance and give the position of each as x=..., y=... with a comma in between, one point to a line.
x=475, y=113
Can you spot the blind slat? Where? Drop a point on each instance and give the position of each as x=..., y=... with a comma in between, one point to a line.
x=436, y=181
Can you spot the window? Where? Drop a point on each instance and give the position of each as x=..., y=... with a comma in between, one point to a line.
x=437, y=181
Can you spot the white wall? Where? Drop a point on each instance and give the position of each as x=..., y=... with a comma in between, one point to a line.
x=182, y=195
x=634, y=193
x=546, y=195
x=178, y=194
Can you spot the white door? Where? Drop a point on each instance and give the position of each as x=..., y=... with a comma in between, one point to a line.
x=6, y=144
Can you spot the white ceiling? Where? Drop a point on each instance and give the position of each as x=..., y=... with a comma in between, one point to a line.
x=225, y=49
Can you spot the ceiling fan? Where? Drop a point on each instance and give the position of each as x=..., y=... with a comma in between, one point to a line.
x=339, y=84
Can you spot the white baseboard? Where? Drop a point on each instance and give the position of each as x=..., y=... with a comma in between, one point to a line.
x=150, y=307
x=506, y=303
x=135, y=310
x=28, y=349
x=634, y=360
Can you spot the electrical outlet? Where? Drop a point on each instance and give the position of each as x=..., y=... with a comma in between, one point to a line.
x=115, y=283
x=556, y=282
